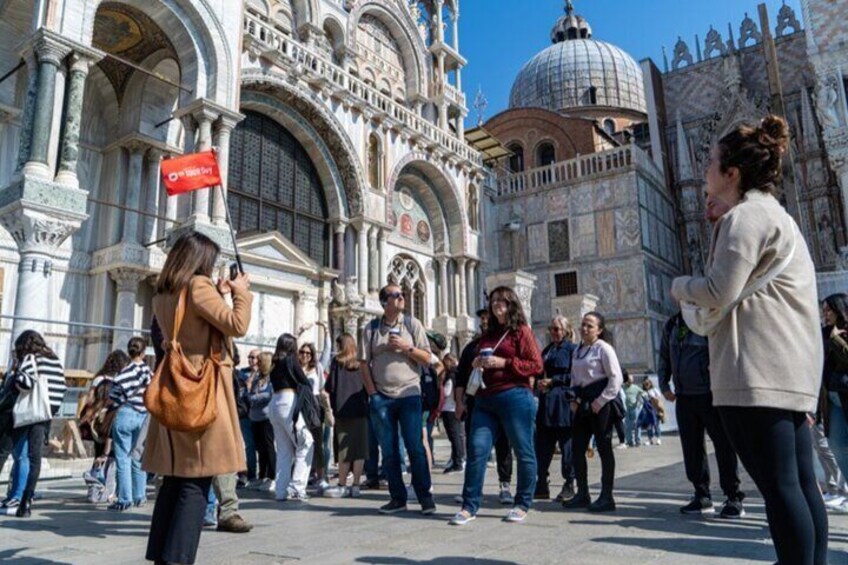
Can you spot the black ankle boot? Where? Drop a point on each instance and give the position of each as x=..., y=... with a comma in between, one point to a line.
x=25, y=507
x=579, y=500
x=605, y=503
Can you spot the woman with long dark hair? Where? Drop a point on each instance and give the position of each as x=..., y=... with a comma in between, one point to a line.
x=509, y=358
x=596, y=380
x=760, y=303
x=349, y=402
x=35, y=361
x=294, y=440
x=187, y=461
x=314, y=369
x=835, y=403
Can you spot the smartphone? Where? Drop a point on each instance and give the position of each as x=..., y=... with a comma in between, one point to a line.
x=234, y=270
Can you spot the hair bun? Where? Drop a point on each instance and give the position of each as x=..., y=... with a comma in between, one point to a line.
x=773, y=132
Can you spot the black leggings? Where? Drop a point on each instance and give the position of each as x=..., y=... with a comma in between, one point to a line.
x=263, y=438
x=585, y=425
x=776, y=448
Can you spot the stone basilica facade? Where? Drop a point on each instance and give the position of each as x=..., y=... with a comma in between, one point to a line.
x=601, y=203
x=339, y=130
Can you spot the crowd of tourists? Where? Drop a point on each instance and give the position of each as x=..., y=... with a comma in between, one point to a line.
x=743, y=361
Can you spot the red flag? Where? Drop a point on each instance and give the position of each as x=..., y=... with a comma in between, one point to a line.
x=190, y=172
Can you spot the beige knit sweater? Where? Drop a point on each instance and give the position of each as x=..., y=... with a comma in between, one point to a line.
x=768, y=350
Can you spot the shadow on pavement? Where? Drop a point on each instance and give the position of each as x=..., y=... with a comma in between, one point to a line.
x=437, y=561
x=10, y=556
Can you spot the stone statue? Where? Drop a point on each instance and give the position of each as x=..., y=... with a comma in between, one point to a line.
x=352, y=292
x=338, y=292
x=827, y=240
x=828, y=99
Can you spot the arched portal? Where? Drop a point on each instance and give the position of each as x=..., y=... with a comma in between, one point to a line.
x=274, y=186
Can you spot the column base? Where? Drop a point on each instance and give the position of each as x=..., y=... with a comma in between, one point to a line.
x=67, y=178
x=37, y=169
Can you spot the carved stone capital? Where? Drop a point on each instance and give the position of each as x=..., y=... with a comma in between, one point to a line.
x=127, y=279
x=79, y=63
x=50, y=51
x=37, y=232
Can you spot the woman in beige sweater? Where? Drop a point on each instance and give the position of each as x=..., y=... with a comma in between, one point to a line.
x=765, y=353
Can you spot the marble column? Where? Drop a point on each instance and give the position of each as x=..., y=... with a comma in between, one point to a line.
x=362, y=255
x=69, y=152
x=28, y=116
x=463, y=302
x=440, y=29
x=126, y=281
x=219, y=194
x=373, y=261
x=471, y=286
x=151, y=205
x=200, y=205
x=171, y=204
x=38, y=237
x=383, y=258
x=49, y=60
x=455, y=22
x=339, y=248
x=444, y=308
x=132, y=196
x=299, y=303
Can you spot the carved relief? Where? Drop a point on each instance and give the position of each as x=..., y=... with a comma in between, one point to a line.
x=681, y=54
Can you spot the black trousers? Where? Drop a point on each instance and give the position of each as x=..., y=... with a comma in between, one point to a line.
x=546, y=441
x=36, y=435
x=263, y=439
x=619, y=429
x=776, y=448
x=454, y=429
x=696, y=416
x=178, y=519
x=585, y=425
x=503, y=451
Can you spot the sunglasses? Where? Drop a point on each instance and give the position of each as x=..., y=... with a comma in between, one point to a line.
x=251, y=356
x=394, y=295
x=305, y=353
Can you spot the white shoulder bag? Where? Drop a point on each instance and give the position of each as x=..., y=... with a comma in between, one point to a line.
x=475, y=381
x=704, y=321
x=33, y=405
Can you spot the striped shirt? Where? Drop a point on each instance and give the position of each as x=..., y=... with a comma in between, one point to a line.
x=50, y=369
x=129, y=386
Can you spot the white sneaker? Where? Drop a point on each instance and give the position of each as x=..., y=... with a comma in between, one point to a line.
x=336, y=492
x=659, y=441
x=833, y=499
x=841, y=508
x=461, y=518
x=622, y=446
x=268, y=485
x=353, y=492
x=515, y=515
x=322, y=485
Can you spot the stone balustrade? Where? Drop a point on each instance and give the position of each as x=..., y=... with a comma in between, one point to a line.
x=319, y=71
x=579, y=169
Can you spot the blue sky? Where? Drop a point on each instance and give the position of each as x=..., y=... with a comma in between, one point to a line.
x=499, y=36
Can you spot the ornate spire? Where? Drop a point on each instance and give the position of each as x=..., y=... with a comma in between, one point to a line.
x=570, y=26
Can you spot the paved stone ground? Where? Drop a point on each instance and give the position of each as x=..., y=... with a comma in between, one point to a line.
x=647, y=528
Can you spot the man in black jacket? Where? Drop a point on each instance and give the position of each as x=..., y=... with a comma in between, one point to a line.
x=685, y=360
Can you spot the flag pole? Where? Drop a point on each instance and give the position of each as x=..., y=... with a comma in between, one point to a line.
x=229, y=223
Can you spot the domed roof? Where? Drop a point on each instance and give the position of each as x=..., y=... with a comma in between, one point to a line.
x=578, y=71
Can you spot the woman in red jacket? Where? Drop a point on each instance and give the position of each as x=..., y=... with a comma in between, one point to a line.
x=509, y=357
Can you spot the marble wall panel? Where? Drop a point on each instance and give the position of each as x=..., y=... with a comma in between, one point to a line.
x=606, y=233
x=537, y=242
x=619, y=285
x=633, y=343
x=627, y=230
x=584, y=229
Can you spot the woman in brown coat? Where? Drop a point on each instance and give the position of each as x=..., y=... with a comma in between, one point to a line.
x=189, y=460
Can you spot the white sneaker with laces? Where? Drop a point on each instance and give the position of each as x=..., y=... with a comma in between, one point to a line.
x=515, y=515
x=461, y=518
x=833, y=499
x=622, y=446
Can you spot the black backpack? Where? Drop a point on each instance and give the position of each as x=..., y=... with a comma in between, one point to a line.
x=430, y=393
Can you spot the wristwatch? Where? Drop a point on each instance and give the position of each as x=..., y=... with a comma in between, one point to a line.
x=411, y=349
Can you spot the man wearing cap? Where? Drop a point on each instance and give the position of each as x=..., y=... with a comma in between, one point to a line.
x=465, y=405
x=394, y=348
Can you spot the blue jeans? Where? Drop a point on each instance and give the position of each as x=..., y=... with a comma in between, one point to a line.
x=20, y=468
x=514, y=410
x=211, y=508
x=249, y=447
x=631, y=431
x=838, y=436
x=130, y=478
x=387, y=414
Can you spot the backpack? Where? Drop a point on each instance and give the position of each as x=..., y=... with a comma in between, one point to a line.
x=432, y=395
x=308, y=407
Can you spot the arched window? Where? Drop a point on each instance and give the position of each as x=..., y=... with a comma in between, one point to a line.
x=545, y=154
x=273, y=185
x=516, y=160
x=609, y=126
x=406, y=273
x=375, y=162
